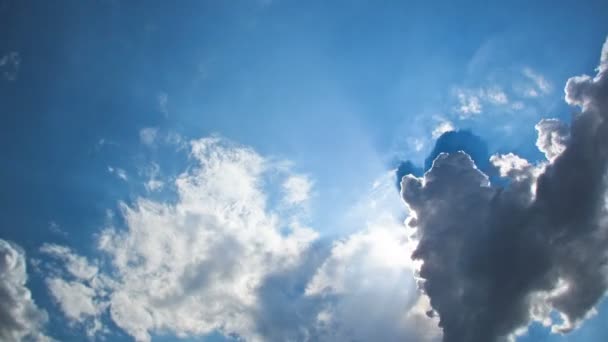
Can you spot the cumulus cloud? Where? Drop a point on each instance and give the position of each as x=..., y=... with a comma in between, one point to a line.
x=224, y=257
x=76, y=299
x=358, y=288
x=552, y=137
x=76, y=286
x=20, y=317
x=77, y=266
x=193, y=266
x=496, y=258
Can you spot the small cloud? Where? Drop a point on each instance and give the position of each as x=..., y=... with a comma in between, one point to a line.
x=120, y=173
x=416, y=143
x=56, y=229
x=20, y=318
x=445, y=126
x=531, y=92
x=496, y=96
x=148, y=135
x=163, y=102
x=518, y=105
x=153, y=183
x=540, y=83
x=176, y=139
x=469, y=104
x=297, y=189
x=9, y=65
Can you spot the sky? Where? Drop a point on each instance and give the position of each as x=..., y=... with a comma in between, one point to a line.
x=279, y=170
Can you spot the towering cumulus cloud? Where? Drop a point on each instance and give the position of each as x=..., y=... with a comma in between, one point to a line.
x=495, y=259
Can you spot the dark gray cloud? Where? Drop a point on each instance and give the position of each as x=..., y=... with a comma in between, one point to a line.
x=496, y=258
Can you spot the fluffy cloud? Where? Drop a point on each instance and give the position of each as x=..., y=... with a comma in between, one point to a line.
x=77, y=266
x=359, y=288
x=552, y=137
x=193, y=266
x=368, y=290
x=471, y=101
x=76, y=299
x=20, y=318
x=443, y=127
x=222, y=258
x=367, y=280
x=77, y=287
x=297, y=189
x=496, y=258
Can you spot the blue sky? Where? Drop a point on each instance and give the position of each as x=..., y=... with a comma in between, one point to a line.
x=300, y=110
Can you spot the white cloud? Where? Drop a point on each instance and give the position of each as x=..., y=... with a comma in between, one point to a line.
x=443, y=127
x=195, y=266
x=541, y=84
x=78, y=266
x=148, y=135
x=552, y=138
x=203, y=262
x=20, y=317
x=469, y=104
x=75, y=299
x=517, y=105
x=496, y=96
x=297, y=189
x=471, y=101
x=163, y=103
x=153, y=183
x=369, y=277
x=79, y=297
x=120, y=173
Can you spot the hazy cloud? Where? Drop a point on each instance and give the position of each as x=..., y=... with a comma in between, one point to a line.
x=148, y=135
x=120, y=173
x=540, y=84
x=9, y=65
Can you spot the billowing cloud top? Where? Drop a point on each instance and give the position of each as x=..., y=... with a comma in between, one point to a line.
x=494, y=258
